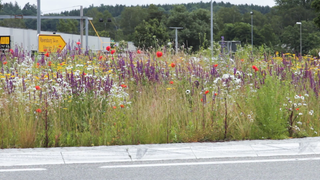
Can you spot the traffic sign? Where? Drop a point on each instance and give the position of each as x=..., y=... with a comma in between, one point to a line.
x=4, y=42
x=50, y=43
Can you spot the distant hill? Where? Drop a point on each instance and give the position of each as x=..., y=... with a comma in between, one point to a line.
x=117, y=9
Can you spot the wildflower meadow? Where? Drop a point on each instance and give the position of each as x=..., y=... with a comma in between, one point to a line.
x=84, y=98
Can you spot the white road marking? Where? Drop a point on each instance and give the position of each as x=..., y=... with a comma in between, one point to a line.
x=15, y=170
x=212, y=163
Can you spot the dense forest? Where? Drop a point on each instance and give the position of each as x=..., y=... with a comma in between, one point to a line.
x=274, y=27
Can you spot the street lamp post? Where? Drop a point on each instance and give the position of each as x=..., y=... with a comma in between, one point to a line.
x=251, y=28
x=38, y=17
x=300, y=37
x=176, y=28
x=211, y=32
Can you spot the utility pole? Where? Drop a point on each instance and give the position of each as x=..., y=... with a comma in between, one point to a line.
x=211, y=30
x=87, y=34
x=38, y=17
x=251, y=29
x=81, y=26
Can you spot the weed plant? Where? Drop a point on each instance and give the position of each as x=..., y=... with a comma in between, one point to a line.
x=80, y=98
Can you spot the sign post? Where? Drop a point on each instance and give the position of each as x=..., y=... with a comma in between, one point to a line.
x=4, y=43
x=50, y=43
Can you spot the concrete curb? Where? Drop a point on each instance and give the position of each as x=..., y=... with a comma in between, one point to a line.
x=148, y=152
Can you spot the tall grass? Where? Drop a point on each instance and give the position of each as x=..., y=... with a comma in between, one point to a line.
x=89, y=99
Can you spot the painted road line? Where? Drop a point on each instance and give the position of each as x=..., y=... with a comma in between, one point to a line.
x=17, y=170
x=212, y=163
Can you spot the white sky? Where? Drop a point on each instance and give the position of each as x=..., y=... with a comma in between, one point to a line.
x=51, y=6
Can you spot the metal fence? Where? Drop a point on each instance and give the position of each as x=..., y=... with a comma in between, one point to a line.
x=229, y=47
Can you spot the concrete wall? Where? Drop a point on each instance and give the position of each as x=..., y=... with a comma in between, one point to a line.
x=28, y=39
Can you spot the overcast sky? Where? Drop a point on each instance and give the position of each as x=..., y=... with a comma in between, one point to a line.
x=50, y=6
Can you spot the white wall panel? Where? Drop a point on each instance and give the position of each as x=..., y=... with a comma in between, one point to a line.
x=28, y=38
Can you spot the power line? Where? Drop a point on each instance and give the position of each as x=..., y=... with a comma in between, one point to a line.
x=60, y=9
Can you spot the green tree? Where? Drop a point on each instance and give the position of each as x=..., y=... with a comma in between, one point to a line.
x=286, y=4
x=196, y=26
x=155, y=13
x=276, y=23
x=228, y=15
x=259, y=20
x=270, y=38
x=316, y=5
x=179, y=17
x=152, y=33
x=29, y=10
x=199, y=29
x=310, y=37
x=293, y=11
x=241, y=32
x=68, y=26
x=13, y=23
x=130, y=18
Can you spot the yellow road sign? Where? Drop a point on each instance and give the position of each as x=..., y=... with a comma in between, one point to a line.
x=4, y=42
x=50, y=42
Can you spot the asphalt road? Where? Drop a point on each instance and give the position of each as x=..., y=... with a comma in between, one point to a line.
x=271, y=168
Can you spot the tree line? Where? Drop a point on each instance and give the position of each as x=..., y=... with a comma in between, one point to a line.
x=148, y=25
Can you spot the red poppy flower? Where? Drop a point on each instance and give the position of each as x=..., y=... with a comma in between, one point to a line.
x=38, y=110
x=114, y=107
x=113, y=51
x=4, y=63
x=201, y=100
x=216, y=65
x=242, y=60
x=173, y=65
x=11, y=50
x=49, y=63
x=100, y=57
x=297, y=109
x=123, y=85
x=139, y=52
x=255, y=68
x=47, y=54
x=84, y=73
x=159, y=54
x=38, y=64
x=108, y=48
x=215, y=94
x=38, y=88
x=171, y=82
x=122, y=106
x=78, y=43
x=207, y=91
